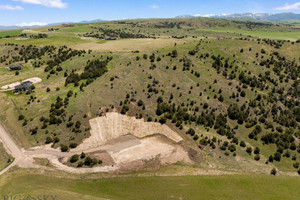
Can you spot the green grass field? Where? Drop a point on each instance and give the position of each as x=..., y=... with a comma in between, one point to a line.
x=274, y=35
x=148, y=188
x=10, y=32
x=76, y=29
x=4, y=158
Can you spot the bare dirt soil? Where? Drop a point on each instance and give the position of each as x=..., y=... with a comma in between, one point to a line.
x=113, y=125
x=123, y=144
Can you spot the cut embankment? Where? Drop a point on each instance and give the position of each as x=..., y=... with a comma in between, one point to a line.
x=114, y=125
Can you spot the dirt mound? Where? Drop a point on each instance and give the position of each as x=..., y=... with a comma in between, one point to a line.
x=114, y=125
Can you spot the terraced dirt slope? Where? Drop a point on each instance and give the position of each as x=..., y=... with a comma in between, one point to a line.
x=114, y=125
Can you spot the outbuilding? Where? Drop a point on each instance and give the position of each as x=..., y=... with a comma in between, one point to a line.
x=110, y=38
x=16, y=67
x=23, y=86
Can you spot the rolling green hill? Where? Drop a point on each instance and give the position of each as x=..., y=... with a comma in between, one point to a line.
x=229, y=87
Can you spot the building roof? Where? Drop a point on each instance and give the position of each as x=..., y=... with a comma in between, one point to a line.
x=15, y=66
x=26, y=85
x=26, y=82
x=110, y=38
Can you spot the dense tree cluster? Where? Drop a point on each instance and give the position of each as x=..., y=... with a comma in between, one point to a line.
x=101, y=33
x=92, y=70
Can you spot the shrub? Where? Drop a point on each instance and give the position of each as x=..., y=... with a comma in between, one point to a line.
x=243, y=144
x=56, y=140
x=287, y=154
x=273, y=171
x=257, y=157
x=49, y=140
x=73, y=145
x=64, y=148
x=88, y=161
x=80, y=164
x=277, y=156
x=293, y=146
x=174, y=53
x=140, y=103
x=191, y=132
x=34, y=131
x=223, y=148
x=296, y=165
x=94, y=161
x=271, y=158
x=124, y=109
x=74, y=158
x=162, y=120
x=21, y=117
x=70, y=124
x=78, y=124
x=249, y=150
x=196, y=137
x=257, y=150
x=82, y=155
x=231, y=148
x=243, y=93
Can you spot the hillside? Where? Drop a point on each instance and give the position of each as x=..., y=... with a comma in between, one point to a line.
x=230, y=89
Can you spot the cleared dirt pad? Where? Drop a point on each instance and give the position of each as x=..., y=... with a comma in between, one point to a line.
x=114, y=125
x=150, y=148
x=12, y=86
x=128, y=153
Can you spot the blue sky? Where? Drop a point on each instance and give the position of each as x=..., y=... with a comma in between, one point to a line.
x=29, y=12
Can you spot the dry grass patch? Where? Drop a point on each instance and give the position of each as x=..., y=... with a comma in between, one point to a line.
x=128, y=45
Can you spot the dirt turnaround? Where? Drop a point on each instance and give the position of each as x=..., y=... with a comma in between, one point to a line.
x=123, y=143
x=12, y=86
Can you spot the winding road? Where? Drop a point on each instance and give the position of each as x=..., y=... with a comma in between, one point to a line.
x=24, y=158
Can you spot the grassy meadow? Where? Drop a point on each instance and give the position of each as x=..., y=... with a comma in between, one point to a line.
x=10, y=32
x=292, y=35
x=158, y=187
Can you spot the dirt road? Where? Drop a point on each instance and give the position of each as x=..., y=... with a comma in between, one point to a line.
x=24, y=158
x=21, y=159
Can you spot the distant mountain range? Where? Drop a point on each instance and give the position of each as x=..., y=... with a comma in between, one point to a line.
x=53, y=24
x=256, y=16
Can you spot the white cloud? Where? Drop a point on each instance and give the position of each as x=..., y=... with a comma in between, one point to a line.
x=295, y=6
x=32, y=24
x=9, y=7
x=208, y=15
x=154, y=6
x=47, y=3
